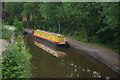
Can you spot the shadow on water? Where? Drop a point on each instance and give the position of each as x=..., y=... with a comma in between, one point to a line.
x=74, y=65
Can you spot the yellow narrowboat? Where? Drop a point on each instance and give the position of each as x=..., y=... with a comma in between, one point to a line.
x=55, y=38
x=50, y=50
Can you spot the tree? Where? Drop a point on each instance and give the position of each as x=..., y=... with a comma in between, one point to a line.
x=13, y=10
x=51, y=13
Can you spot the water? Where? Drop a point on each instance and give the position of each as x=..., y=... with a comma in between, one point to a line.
x=74, y=65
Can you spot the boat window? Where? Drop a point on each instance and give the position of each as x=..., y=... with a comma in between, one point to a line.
x=64, y=39
x=38, y=44
x=45, y=35
x=38, y=34
x=41, y=34
x=42, y=46
x=53, y=52
x=53, y=38
x=35, y=33
x=48, y=49
x=48, y=36
x=58, y=39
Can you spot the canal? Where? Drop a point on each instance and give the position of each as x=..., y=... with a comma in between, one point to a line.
x=74, y=64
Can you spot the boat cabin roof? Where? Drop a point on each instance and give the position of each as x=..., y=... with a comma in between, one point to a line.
x=50, y=33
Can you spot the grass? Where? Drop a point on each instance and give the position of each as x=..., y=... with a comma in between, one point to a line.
x=109, y=47
x=106, y=46
x=78, y=39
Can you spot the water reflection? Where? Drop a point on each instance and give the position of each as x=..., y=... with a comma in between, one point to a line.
x=50, y=50
x=96, y=74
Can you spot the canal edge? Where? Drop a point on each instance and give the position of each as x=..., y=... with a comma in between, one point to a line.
x=106, y=62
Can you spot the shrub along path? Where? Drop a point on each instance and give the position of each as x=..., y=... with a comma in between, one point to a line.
x=2, y=45
x=108, y=57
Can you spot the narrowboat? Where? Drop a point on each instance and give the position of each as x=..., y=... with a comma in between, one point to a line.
x=51, y=37
x=55, y=53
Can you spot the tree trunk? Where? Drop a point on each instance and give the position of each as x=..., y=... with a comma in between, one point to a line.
x=27, y=23
x=28, y=20
x=59, y=27
x=86, y=35
x=72, y=34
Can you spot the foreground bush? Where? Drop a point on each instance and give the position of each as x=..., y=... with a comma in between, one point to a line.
x=16, y=61
x=5, y=33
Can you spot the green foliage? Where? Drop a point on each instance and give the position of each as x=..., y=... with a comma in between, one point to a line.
x=90, y=22
x=24, y=23
x=16, y=61
x=5, y=23
x=76, y=38
x=17, y=23
x=6, y=34
x=32, y=9
x=94, y=39
x=18, y=31
x=13, y=10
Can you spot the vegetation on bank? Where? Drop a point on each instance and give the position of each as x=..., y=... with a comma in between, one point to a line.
x=87, y=22
x=0, y=29
x=6, y=34
x=16, y=60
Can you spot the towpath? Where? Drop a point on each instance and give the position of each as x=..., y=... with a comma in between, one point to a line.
x=108, y=57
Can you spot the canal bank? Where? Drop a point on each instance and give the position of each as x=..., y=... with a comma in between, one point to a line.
x=105, y=56
x=108, y=57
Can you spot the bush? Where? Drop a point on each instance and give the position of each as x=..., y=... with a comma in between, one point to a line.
x=6, y=34
x=94, y=39
x=16, y=61
x=5, y=23
x=31, y=24
x=17, y=23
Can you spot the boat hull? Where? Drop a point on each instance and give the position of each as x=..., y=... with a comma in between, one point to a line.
x=46, y=40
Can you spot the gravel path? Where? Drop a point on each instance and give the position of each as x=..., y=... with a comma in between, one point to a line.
x=108, y=57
